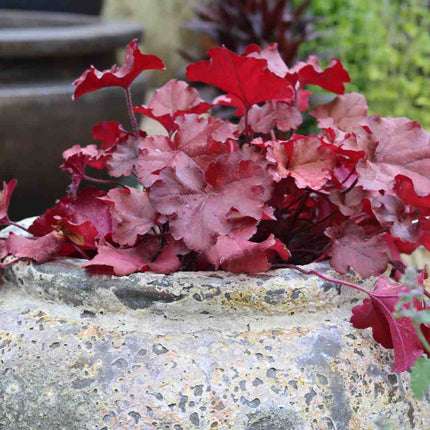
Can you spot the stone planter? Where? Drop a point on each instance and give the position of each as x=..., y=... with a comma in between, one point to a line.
x=40, y=56
x=190, y=350
x=92, y=7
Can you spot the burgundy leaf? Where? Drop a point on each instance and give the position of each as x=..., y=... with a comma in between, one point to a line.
x=109, y=133
x=125, y=261
x=237, y=255
x=200, y=205
x=134, y=64
x=377, y=311
x=132, y=214
x=41, y=249
x=367, y=256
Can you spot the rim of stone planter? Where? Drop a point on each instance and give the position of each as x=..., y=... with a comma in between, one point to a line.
x=280, y=291
x=26, y=34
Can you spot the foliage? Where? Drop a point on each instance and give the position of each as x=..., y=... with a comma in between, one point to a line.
x=251, y=195
x=385, y=45
x=236, y=24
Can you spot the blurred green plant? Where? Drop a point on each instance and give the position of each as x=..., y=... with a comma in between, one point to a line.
x=385, y=45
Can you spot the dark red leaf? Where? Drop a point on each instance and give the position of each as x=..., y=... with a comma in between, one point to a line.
x=109, y=133
x=134, y=64
x=351, y=249
x=168, y=261
x=404, y=188
x=247, y=79
x=125, y=261
x=132, y=214
x=376, y=312
x=86, y=207
x=5, y=196
x=237, y=255
x=41, y=249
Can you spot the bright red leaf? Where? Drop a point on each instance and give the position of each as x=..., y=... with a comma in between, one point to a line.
x=247, y=79
x=134, y=64
x=110, y=133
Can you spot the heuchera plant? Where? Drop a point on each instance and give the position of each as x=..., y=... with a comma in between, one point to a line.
x=251, y=195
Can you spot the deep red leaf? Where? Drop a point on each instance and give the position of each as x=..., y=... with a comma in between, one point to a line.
x=376, y=312
x=109, y=133
x=86, y=207
x=247, y=79
x=134, y=64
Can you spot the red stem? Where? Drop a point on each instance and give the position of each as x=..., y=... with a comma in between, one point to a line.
x=15, y=224
x=103, y=181
x=133, y=118
x=320, y=275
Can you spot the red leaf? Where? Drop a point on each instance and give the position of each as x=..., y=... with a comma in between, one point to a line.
x=304, y=158
x=174, y=99
x=198, y=140
x=248, y=79
x=86, y=207
x=109, y=133
x=405, y=190
x=271, y=54
x=400, y=219
x=168, y=262
x=400, y=334
x=5, y=196
x=40, y=250
x=345, y=112
x=200, y=206
x=403, y=149
x=132, y=214
x=134, y=64
x=263, y=119
x=125, y=261
x=352, y=249
x=237, y=255
x=77, y=160
x=83, y=235
x=349, y=203
x=310, y=73
x=123, y=157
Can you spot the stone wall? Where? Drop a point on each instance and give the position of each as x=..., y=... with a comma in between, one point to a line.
x=162, y=20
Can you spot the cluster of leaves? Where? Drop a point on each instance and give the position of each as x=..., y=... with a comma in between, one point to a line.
x=384, y=49
x=250, y=195
x=239, y=23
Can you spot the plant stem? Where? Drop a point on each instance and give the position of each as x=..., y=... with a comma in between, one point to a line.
x=15, y=224
x=78, y=250
x=133, y=118
x=247, y=135
x=421, y=336
x=320, y=275
x=104, y=181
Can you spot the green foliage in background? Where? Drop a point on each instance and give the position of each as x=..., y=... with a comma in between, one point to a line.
x=385, y=45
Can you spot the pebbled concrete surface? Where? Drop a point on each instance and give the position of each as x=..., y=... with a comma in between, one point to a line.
x=190, y=351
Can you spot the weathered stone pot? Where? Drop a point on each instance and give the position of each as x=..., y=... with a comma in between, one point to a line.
x=191, y=351
x=40, y=56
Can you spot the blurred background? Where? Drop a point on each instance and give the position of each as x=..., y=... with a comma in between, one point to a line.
x=384, y=44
